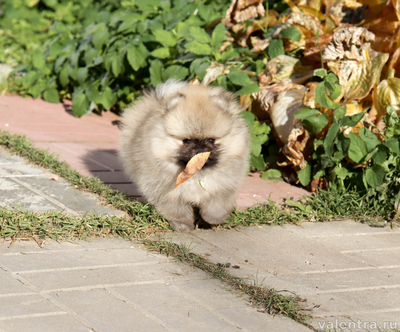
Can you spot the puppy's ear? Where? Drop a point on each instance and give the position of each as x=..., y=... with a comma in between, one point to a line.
x=225, y=100
x=169, y=93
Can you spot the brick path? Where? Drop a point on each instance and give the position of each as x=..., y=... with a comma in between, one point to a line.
x=90, y=145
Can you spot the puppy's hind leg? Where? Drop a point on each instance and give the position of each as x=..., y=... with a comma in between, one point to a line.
x=180, y=216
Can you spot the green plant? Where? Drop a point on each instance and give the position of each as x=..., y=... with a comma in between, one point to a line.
x=354, y=152
x=105, y=61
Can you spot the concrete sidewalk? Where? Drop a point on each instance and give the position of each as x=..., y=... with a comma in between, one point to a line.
x=348, y=272
x=106, y=284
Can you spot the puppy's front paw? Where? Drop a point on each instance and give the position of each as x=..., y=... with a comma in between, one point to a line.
x=214, y=218
x=180, y=227
x=216, y=211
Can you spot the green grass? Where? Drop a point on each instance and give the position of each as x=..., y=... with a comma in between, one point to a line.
x=15, y=224
x=322, y=206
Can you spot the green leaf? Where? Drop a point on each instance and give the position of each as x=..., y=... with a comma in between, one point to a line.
x=393, y=145
x=29, y=79
x=331, y=78
x=249, y=89
x=108, y=98
x=51, y=96
x=137, y=55
x=275, y=48
x=100, y=37
x=334, y=89
x=320, y=72
x=198, y=48
x=38, y=60
x=116, y=66
x=351, y=121
x=340, y=112
x=230, y=55
x=175, y=71
x=249, y=117
x=357, y=148
x=343, y=143
x=93, y=93
x=161, y=53
x=199, y=68
x=37, y=89
x=257, y=162
x=258, y=136
x=302, y=207
x=330, y=138
x=156, y=72
x=218, y=36
x=305, y=113
x=81, y=75
x=322, y=97
x=380, y=156
x=239, y=77
x=375, y=176
x=338, y=155
x=315, y=124
x=291, y=33
x=305, y=175
x=64, y=76
x=341, y=172
x=369, y=138
x=80, y=105
x=166, y=38
x=260, y=66
x=200, y=35
x=271, y=173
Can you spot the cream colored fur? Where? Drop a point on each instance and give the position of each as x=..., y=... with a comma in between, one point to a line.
x=151, y=137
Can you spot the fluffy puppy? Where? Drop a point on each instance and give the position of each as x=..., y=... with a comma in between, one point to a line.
x=168, y=126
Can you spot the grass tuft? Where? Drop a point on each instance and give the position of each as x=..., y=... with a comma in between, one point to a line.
x=265, y=299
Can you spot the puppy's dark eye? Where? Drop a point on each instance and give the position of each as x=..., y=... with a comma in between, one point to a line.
x=186, y=141
x=211, y=140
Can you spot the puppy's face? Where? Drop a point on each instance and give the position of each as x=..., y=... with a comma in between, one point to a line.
x=198, y=122
x=191, y=147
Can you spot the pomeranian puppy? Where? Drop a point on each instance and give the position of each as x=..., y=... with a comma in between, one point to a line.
x=163, y=130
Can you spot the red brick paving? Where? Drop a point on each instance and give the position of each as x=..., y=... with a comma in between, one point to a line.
x=90, y=145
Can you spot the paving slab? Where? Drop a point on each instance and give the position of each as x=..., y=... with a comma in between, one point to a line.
x=334, y=265
x=35, y=189
x=116, y=285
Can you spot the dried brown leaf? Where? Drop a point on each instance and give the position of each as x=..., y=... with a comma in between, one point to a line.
x=194, y=165
x=213, y=71
x=293, y=149
x=358, y=77
x=348, y=43
x=282, y=112
x=309, y=22
x=243, y=10
x=284, y=67
x=389, y=93
x=313, y=47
